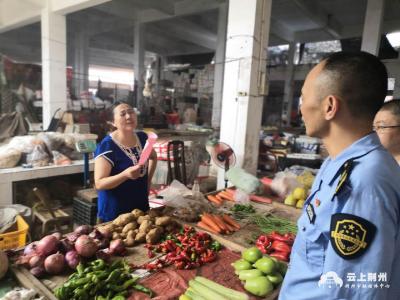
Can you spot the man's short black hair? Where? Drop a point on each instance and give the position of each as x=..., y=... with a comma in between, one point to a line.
x=359, y=79
x=393, y=106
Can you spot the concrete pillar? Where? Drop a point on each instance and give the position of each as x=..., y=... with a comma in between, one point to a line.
x=371, y=37
x=81, y=61
x=54, y=56
x=219, y=65
x=289, y=84
x=138, y=62
x=245, y=80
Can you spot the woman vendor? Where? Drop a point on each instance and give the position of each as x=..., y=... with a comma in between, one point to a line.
x=122, y=184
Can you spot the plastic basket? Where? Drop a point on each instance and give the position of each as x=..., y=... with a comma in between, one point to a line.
x=15, y=239
x=84, y=212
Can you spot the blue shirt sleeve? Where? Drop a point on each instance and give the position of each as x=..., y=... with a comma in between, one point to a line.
x=106, y=150
x=376, y=205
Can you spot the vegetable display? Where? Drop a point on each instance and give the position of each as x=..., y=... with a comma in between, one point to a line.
x=54, y=254
x=260, y=274
x=218, y=223
x=203, y=288
x=276, y=245
x=136, y=227
x=185, y=250
x=100, y=281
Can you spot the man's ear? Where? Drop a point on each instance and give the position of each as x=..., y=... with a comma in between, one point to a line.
x=331, y=107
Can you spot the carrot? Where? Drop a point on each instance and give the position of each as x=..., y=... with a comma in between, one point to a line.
x=231, y=221
x=219, y=198
x=206, y=227
x=220, y=223
x=228, y=226
x=210, y=222
x=230, y=192
x=260, y=199
x=213, y=199
x=226, y=196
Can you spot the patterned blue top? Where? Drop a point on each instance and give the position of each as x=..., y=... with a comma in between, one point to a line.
x=128, y=195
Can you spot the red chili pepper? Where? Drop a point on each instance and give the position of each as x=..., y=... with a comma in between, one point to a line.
x=275, y=236
x=280, y=255
x=281, y=246
x=264, y=244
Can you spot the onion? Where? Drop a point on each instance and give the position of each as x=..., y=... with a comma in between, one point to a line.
x=30, y=249
x=38, y=271
x=58, y=235
x=36, y=261
x=85, y=246
x=72, y=258
x=96, y=234
x=66, y=245
x=83, y=229
x=72, y=237
x=54, y=264
x=102, y=243
x=117, y=247
x=104, y=254
x=47, y=245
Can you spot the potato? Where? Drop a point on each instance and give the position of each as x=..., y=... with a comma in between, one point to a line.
x=160, y=228
x=109, y=227
x=116, y=236
x=136, y=213
x=131, y=234
x=129, y=242
x=140, y=237
x=154, y=235
x=130, y=226
x=142, y=218
x=145, y=226
x=123, y=235
x=163, y=221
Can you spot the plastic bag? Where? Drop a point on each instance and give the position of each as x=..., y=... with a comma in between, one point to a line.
x=39, y=156
x=9, y=157
x=284, y=183
x=241, y=197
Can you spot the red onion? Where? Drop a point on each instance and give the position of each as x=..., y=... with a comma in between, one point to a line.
x=47, y=245
x=85, y=246
x=30, y=249
x=72, y=258
x=72, y=237
x=104, y=254
x=54, y=264
x=96, y=234
x=66, y=245
x=117, y=247
x=102, y=243
x=58, y=235
x=83, y=229
x=36, y=261
x=38, y=271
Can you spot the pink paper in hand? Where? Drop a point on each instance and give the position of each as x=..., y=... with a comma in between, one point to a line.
x=148, y=147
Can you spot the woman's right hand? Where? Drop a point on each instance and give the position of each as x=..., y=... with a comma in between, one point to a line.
x=132, y=172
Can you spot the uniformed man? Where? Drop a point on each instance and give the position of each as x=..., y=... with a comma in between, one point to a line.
x=348, y=242
x=387, y=126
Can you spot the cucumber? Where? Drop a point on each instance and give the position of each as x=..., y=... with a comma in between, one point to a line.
x=220, y=289
x=205, y=292
x=191, y=293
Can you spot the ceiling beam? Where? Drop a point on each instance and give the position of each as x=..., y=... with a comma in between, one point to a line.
x=163, y=6
x=120, y=9
x=69, y=6
x=319, y=16
x=281, y=31
x=182, y=8
x=192, y=33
